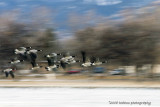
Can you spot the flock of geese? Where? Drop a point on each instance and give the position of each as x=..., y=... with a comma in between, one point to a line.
x=55, y=60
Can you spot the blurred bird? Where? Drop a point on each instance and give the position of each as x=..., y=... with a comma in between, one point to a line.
x=85, y=63
x=33, y=56
x=22, y=52
x=52, y=60
x=8, y=72
x=67, y=59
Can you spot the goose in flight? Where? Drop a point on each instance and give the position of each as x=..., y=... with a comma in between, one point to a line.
x=32, y=53
x=67, y=59
x=22, y=52
x=8, y=72
x=85, y=63
x=52, y=60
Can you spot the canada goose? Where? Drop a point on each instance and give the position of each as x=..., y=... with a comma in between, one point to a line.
x=85, y=63
x=51, y=59
x=67, y=59
x=8, y=71
x=22, y=52
x=33, y=56
x=33, y=53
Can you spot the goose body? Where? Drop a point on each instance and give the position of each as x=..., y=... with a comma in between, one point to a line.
x=85, y=63
x=32, y=54
x=52, y=58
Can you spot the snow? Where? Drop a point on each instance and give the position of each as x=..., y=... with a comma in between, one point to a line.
x=77, y=97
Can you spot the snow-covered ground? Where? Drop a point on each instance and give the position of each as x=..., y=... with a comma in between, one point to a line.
x=79, y=97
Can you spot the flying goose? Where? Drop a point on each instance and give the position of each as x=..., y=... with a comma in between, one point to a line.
x=85, y=63
x=32, y=54
x=22, y=52
x=67, y=59
x=52, y=59
x=8, y=72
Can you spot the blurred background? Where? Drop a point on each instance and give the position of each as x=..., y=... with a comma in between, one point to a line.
x=123, y=32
